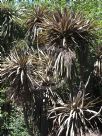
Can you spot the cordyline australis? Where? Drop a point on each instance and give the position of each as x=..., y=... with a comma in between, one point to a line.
x=74, y=118
x=34, y=76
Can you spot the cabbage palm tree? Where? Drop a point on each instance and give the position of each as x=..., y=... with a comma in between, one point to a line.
x=35, y=17
x=75, y=118
x=36, y=76
x=25, y=74
x=70, y=37
x=10, y=26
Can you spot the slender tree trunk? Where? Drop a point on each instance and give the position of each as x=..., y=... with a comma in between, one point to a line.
x=27, y=122
x=44, y=123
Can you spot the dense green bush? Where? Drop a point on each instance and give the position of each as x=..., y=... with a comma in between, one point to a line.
x=5, y=112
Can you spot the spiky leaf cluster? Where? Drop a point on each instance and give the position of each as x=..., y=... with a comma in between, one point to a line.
x=25, y=71
x=69, y=26
x=33, y=23
x=10, y=26
x=68, y=31
x=75, y=117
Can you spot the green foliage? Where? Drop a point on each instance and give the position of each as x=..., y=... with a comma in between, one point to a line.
x=92, y=9
x=17, y=124
x=11, y=118
x=5, y=111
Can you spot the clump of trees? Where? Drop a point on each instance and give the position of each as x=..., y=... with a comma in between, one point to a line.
x=51, y=68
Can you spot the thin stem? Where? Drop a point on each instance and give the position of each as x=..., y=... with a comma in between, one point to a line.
x=26, y=121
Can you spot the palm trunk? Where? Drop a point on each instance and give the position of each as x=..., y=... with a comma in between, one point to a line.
x=44, y=124
x=27, y=122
